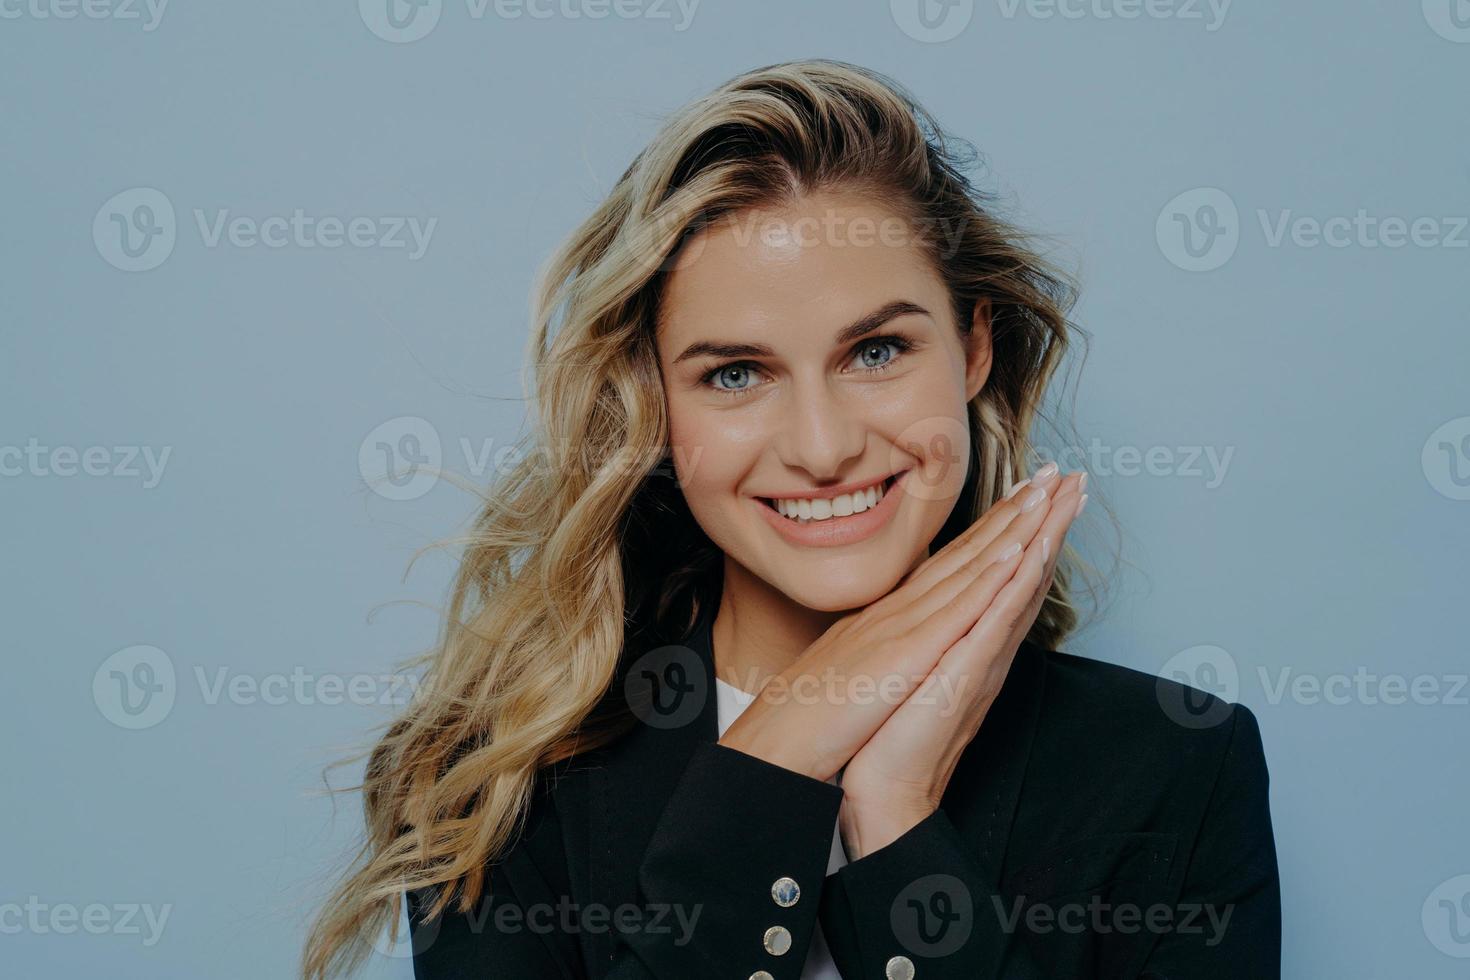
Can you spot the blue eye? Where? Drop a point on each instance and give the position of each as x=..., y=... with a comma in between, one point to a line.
x=873, y=345
x=741, y=369
x=737, y=369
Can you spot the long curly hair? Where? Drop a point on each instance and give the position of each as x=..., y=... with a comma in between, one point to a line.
x=586, y=542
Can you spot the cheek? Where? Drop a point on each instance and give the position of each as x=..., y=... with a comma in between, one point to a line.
x=927, y=423
x=710, y=455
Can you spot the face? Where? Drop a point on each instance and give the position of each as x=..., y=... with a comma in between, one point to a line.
x=805, y=352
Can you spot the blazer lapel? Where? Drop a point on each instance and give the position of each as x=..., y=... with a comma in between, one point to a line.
x=985, y=789
x=671, y=690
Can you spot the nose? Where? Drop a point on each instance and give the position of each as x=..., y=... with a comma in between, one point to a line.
x=822, y=432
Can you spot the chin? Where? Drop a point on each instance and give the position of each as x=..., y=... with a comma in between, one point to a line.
x=839, y=595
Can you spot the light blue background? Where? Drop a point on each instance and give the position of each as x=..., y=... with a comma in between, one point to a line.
x=1329, y=546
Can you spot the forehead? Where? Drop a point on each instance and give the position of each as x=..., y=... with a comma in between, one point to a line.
x=825, y=260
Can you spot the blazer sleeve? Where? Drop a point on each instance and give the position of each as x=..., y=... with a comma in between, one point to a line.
x=918, y=907
x=734, y=828
x=1232, y=876
x=883, y=915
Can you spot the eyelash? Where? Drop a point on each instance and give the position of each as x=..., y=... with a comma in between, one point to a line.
x=903, y=344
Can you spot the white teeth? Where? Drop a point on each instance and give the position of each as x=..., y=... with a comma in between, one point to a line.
x=822, y=508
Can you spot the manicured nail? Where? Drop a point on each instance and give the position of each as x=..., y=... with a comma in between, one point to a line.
x=1045, y=549
x=1046, y=472
x=1082, y=482
x=1012, y=491
x=1010, y=551
x=1036, y=496
x=1080, y=504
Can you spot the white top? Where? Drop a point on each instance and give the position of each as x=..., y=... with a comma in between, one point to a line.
x=819, y=966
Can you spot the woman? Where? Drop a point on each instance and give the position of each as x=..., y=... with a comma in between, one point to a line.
x=782, y=419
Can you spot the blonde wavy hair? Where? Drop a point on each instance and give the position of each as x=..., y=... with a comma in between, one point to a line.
x=586, y=543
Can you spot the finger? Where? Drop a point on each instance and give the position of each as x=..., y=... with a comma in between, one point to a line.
x=976, y=665
x=1058, y=520
x=980, y=534
x=922, y=647
x=1022, y=529
x=938, y=686
x=969, y=674
x=984, y=651
x=959, y=556
x=1047, y=546
x=973, y=668
x=1052, y=539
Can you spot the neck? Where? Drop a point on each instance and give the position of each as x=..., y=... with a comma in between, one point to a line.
x=759, y=631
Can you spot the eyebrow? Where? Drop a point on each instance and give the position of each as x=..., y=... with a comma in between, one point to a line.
x=863, y=325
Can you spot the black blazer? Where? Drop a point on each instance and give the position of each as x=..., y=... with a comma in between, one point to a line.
x=1103, y=823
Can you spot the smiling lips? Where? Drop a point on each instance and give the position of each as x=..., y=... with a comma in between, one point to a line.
x=805, y=510
x=796, y=519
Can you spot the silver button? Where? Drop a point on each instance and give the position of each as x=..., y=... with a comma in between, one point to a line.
x=761, y=975
x=785, y=892
x=777, y=940
x=899, y=968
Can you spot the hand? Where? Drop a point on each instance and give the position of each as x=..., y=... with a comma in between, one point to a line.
x=895, y=641
x=899, y=775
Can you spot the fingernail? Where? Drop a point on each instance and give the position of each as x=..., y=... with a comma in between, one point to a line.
x=1045, y=549
x=1080, y=504
x=1046, y=472
x=1036, y=496
x=1012, y=491
x=1082, y=482
x=1010, y=551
